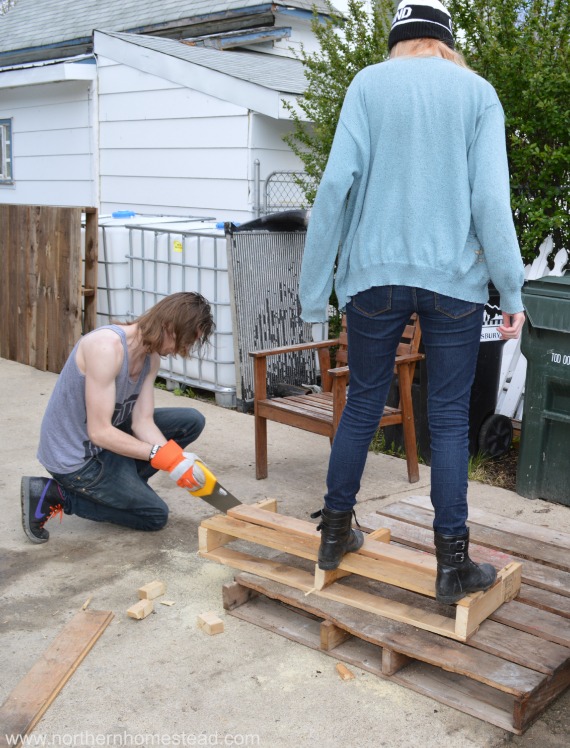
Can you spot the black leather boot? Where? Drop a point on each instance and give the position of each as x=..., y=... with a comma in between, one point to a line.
x=41, y=499
x=337, y=537
x=457, y=574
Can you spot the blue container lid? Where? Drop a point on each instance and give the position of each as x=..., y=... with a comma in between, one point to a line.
x=123, y=214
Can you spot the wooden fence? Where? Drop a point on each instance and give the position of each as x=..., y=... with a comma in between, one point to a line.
x=43, y=282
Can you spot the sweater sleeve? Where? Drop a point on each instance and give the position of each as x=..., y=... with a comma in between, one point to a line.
x=491, y=208
x=328, y=219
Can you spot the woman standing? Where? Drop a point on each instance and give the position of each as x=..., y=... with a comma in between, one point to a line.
x=414, y=211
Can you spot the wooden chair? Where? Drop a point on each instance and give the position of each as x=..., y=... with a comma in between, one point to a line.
x=320, y=413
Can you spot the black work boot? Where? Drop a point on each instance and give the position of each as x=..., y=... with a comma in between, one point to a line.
x=457, y=574
x=41, y=500
x=337, y=537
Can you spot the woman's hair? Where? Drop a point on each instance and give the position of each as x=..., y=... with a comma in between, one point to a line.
x=185, y=315
x=424, y=47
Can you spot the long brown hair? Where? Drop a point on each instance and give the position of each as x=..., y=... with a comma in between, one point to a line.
x=427, y=47
x=185, y=315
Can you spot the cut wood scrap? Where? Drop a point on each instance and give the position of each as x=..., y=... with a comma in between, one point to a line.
x=210, y=623
x=141, y=609
x=86, y=603
x=344, y=672
x=152, y=590
x=167, y=602
x=33, y=695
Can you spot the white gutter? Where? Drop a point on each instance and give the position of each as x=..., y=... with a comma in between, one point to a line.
x=48, y=72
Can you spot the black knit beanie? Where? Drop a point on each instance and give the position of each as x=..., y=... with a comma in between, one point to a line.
x=416, y=19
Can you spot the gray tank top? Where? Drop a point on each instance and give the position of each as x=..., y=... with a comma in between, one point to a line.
x=64, y=444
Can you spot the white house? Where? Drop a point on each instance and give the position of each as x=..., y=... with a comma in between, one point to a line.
x=173, y=107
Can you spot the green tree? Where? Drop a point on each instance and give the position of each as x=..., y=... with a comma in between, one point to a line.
x=346, y=46
x=521, y=47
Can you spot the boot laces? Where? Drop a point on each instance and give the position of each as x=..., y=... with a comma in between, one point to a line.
x=54, y=511
x=315, y=515
x=318, y=513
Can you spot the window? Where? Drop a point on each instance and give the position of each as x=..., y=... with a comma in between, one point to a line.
x=5, y=151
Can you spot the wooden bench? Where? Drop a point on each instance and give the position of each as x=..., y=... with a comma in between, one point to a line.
x=320, y=412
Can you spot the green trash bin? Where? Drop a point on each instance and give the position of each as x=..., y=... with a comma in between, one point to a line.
x=544, y=455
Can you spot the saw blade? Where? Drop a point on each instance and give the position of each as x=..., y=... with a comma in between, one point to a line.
x=221, y=499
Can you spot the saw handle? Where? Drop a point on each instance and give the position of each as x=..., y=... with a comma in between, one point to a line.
x=185, y=468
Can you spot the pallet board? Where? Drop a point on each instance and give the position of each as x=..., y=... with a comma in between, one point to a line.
x=506, y=673
x=32, y=696
x=378, y=559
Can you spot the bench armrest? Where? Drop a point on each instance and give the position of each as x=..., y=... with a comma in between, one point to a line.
x=294, y=348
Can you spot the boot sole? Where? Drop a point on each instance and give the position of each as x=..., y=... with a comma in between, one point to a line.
x=451, y=599
x=25, y=503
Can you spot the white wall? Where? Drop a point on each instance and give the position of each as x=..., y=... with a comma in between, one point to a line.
x=165, y=148
x=52, y=144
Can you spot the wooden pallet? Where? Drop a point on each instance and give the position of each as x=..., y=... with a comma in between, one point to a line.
x=506, y=673
x=378, y=559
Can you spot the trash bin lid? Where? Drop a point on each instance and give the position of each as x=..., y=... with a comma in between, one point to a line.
x=547, y=302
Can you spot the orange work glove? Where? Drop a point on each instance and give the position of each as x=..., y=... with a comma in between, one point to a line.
x=179, y=465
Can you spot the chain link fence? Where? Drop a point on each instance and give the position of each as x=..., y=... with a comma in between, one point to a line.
x=284, y=191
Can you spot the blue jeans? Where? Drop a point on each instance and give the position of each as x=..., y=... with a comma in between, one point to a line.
x=451, y=331
x=113, y=488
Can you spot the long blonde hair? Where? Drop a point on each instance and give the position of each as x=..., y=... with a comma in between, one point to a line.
x=425, y=47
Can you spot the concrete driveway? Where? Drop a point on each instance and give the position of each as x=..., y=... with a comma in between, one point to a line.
x=163, y=681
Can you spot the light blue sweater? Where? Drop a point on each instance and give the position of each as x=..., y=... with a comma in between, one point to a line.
x=415, y=192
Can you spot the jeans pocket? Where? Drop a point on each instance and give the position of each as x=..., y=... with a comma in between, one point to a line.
x=86, y=478
x=373, y=301
x=454, y=308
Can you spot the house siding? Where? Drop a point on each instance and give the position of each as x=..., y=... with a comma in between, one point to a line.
x=165, y=148
x=169, y=149
x=52, y=145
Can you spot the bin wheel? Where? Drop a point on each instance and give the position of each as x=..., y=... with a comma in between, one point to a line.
x=495, y=435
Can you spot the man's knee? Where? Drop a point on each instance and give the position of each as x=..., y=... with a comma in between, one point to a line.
x=196, y=424
x=157, y=520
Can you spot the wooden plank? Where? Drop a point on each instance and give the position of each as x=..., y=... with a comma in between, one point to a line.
x=544, y=600
x=458, y=692
x=544, y=553
x=90, y=268
x=518, y=646
x=372, y=547
x=317, y=426
x=43, y=249
x=32, y=696
x=414, y=536
x=507, y=525
x=538, y=622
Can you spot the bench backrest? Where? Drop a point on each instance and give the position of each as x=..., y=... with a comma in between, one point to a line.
x=409, y=343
